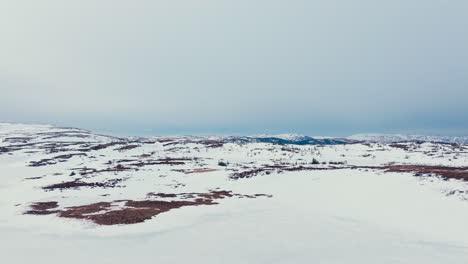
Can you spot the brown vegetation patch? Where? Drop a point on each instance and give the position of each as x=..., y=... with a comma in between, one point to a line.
x=400, y=146
x=279, y=168
x=103, y=146
x=42, y=208
x=209, y=143
x=137, y=164
x=212, y=195
x=162, y=161
x=71, y=185
x=163, y=140
x=290, y=149
x=44, y=205
x=127, y=147
x=212, y=143
x=77, y=184
x=127, y=144
x=124, y=216
x=118, y=168
x=54, y=160
x=34, y=178
x=460, y=173
x=141, y=162
x=82, y=211
x=163, y=195
x=132, y=211
x=197, y=171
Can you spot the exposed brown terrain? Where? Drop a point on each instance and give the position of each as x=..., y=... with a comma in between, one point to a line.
x=459, y=173
x=77, y=184
x=42, y=208
x=268, y=169
x=131, y=212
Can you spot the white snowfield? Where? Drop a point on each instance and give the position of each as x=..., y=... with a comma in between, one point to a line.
x=363, y=203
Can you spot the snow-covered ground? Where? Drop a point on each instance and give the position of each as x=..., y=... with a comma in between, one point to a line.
x=389, y=138
x=230, y=202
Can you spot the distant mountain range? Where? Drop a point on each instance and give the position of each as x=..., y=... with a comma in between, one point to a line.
x=293, y=139
x=297, y=139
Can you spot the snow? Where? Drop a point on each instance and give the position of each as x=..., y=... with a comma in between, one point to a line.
x=327, y=216
x=389, y=138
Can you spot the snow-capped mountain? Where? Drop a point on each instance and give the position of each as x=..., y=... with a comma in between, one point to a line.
x=393, y=138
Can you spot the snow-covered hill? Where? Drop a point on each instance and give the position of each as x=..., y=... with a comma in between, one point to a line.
x=71, y=195
x=291, y=136
x=392, y=138
x=293, y=139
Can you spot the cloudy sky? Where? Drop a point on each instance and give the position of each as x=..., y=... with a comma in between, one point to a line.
x=330, y=67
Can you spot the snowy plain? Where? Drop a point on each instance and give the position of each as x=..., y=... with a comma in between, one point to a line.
x=347, y=209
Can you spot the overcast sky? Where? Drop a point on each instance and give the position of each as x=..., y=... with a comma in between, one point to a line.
x=330, y=67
